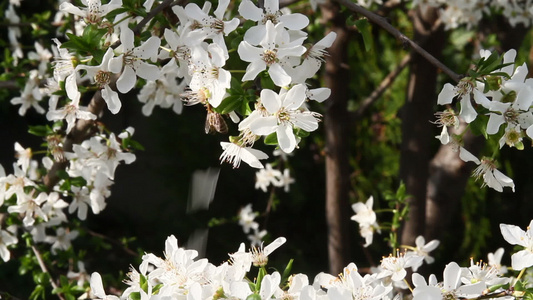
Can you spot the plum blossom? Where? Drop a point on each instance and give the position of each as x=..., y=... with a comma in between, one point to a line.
x=451, y=288
x=102, y=76
x=6, y=239
x=31, y=95
x=284, y=115
x=246, y=218
x=394, y=266
x=366, y=217
x=494, y=260
x=62, y=239
x=423, y=249
x=234, y=154
x=464, y=90
x=93, y=12
x=274, y=47
x=132, y=61
x=266, y=176
x=514, y=235
x=214, y=28
x=486, y=169
x=71, y=113
x=269, y=12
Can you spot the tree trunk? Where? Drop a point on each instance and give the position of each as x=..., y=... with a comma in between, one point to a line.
x=416, y=113
x=336, y=135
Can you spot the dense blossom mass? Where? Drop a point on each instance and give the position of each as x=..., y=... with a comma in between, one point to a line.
x=107, y=55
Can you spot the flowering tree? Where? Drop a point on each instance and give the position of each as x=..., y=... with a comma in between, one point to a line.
x=250, y=69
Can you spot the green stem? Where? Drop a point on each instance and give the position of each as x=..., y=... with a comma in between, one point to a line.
x=519, y=276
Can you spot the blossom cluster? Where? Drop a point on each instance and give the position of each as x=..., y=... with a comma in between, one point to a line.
x=86, y=184
x=179, y=274
x=499, y=90
x=101, y=57
x=458, y=13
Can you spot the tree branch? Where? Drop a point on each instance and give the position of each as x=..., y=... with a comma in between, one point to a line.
x=78, y=134
x=382, y=22
x=45, y=270
x=150, y=16
x=383, y=86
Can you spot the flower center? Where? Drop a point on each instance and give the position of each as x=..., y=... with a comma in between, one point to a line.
x=102, y=78
x=93, y=12
x=269, y=56
x=217, y=25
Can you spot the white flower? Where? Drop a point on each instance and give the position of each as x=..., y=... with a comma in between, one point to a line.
x=70, y=112
x=256, y=238
x=246, y=218
x=31, y=95
x=64, y=70
x=260, y=254
x=512, y=113
x=62, y=239
x=492, y=177
x=364, y=214
x=274, y=47
x=351, y=285
x=97, y=288
x=93, y=12
x=423, y=249
x=482, y=272
x=313, y=59
x=266, y=176
x=42, y=55
x=514, y=235
x=269, y=12
x=284, y=115
x=285, y=180
x=451, y=288
x=234, y=153
x=102, y=75
x=6, y=239
x=133, y=59
x=395, y=266
x=214, y=28
x=30, y=207
x=464, y=89
x=23, y=156
x=495, y=260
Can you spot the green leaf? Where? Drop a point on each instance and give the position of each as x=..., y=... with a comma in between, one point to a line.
x=301, y=133
x=260, y=275
x=135, y=296
x=40, y=130
x=287, y=271
x=271, y=139
x=78, y=181
x=38, y=292
x=479, y=125
x=229, y=104
x=253, y=297
x=364, y=28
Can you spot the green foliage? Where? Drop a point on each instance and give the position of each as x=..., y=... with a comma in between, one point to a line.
x=88, y=43
x=69, y=289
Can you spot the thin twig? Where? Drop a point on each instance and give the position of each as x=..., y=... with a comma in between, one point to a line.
x=149, y=16
x=45, y=270
x=79, y=133
x=384, y=85
x=382, y=22
x=113, y=241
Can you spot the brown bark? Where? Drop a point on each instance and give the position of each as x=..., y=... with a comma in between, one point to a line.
x=416, y=113
x=336, y=133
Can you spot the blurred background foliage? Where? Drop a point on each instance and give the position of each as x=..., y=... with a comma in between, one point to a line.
x=149, y=197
